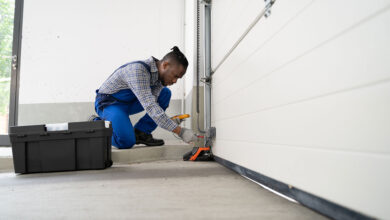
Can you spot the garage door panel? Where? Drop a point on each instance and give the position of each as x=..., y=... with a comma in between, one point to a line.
x=337, y=66
x=344, y=178
x=307, y=31
x=354, y=120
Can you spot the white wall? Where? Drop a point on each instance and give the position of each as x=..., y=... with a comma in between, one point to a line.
x=190, y=43
x=304, y=98
x=70, y=47
x=190, y=52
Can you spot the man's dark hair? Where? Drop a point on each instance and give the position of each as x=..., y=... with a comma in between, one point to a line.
x=177, y=56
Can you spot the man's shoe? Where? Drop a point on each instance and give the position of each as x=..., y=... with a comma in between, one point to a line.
x=147, y=139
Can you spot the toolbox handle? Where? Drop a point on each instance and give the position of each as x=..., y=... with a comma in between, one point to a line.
x=57, y=127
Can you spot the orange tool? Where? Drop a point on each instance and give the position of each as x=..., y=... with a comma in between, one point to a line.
x=202, y=153
x=183, y=116
x=198, y=154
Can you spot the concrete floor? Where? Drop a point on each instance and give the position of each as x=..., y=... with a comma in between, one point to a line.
x=154, y=190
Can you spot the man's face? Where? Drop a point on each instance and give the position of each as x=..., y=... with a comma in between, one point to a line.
x=170, y=72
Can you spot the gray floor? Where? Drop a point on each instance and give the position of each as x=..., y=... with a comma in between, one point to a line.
x=154, y=190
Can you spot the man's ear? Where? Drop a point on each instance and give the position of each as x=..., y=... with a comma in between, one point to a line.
x=165, y=64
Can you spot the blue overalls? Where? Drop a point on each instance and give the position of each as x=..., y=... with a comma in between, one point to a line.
x=119, y=106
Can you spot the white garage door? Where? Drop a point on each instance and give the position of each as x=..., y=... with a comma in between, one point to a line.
x=305, y=97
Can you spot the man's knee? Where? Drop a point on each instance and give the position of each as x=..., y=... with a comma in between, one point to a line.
x=123, y=142
x=165, y=97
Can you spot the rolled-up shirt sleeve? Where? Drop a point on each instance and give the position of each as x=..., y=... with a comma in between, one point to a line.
x=138, y=80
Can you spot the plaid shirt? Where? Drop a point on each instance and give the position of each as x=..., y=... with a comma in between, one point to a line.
x=145, y=86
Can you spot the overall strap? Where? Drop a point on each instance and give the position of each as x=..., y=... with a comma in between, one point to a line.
x=141, y=62
x=107, y=99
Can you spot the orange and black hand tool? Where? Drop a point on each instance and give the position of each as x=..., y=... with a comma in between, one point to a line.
x=202, y=153
x=198, y=154
x=181, y=117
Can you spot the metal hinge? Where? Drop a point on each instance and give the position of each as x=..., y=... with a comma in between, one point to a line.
x=268, y=5
x=206, y=80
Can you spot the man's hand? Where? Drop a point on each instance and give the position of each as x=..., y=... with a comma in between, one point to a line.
x=187, y=135
x=177, y=130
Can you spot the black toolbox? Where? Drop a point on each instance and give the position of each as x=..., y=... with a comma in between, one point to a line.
x=75, y=146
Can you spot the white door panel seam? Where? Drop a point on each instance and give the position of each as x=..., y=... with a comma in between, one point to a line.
x=312, y=147
x=308, y=99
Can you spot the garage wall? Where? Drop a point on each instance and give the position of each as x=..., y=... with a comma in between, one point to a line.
x=190, y=52
x=304, y=98
x=70, y=47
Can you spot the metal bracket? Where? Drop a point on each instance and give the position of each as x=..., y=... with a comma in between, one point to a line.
x=211, y=132
x=206, y=80
x=268, y=5
x=210, y=136
x=206, y=2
